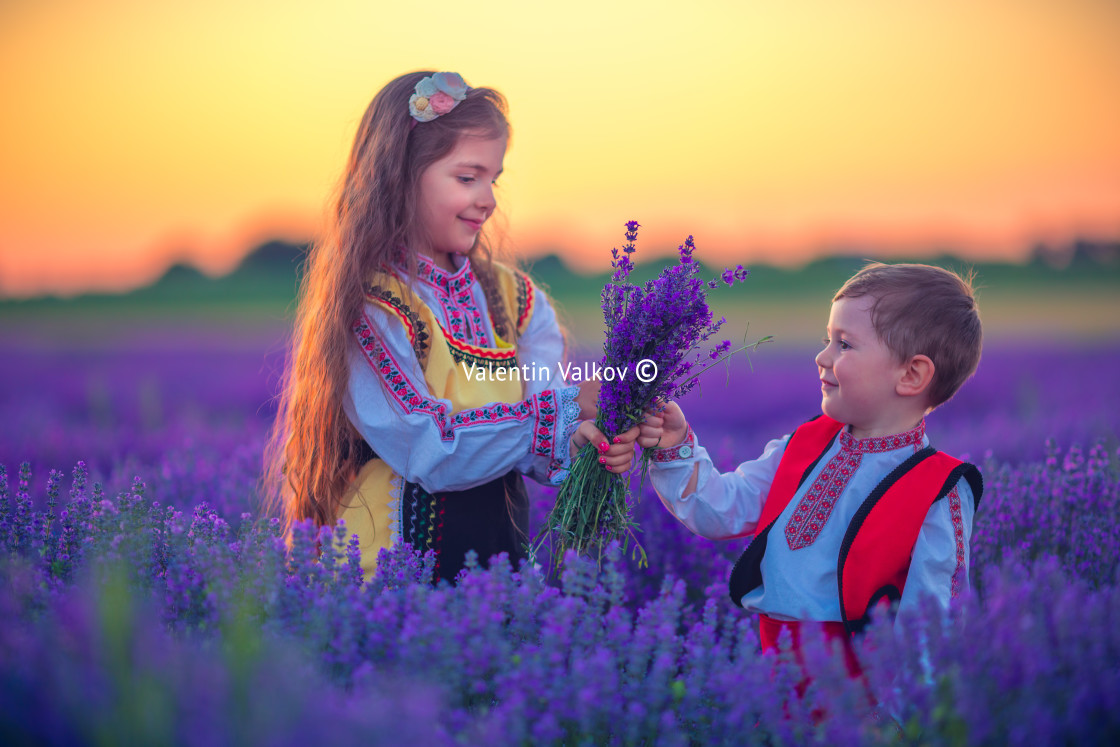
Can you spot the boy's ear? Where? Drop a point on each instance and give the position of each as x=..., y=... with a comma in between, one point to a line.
x=917, y=375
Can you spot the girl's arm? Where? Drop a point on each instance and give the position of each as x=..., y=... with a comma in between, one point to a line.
x=939, y=564
x=710, y=503
x=541, y=348
x=417, y=434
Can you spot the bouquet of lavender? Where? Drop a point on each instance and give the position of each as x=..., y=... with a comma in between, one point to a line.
x=654, y=337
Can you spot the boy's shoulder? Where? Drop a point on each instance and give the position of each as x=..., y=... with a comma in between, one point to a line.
x=811, y=440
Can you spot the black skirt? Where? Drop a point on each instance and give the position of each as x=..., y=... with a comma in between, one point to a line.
x=489, y=519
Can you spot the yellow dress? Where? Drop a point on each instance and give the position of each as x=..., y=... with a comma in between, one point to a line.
x=465, y=388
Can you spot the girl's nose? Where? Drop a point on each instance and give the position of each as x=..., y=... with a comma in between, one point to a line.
x=486, y=198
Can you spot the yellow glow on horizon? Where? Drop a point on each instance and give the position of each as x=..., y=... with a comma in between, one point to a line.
x=137, y=133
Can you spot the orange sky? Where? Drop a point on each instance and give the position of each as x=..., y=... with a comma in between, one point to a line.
x=137, y=133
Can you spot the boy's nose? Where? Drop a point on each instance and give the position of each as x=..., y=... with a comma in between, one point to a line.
x=823, y=360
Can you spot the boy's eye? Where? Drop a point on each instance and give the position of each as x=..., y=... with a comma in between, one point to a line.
x=466, y=179
x=844, y=345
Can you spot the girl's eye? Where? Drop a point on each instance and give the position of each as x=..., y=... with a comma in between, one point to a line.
x=466, y=179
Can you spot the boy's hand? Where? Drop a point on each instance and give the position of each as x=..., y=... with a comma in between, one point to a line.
x=588, y=400
x=663, y=430
x=615, y=455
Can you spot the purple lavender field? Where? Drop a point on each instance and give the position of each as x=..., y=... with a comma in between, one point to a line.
x=145, y=599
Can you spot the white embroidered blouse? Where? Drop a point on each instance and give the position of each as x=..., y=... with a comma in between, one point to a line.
x=800, y=564
x=422, y=438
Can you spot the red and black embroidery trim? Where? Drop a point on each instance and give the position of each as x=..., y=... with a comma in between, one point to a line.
x=417, y=329
x=418, y=335
x=541, y=407
x=483, y=357
x=815, y=507
x=524, y=299
x=958, y=537
x=544, y=435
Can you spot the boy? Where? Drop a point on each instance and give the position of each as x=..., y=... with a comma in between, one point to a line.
x=853, y=507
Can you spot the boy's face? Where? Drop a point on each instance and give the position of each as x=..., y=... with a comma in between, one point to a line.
x=859, y=373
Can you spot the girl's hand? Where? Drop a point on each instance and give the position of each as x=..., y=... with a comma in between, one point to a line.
x=616, y=457
x=651, y=429
x=588, y=400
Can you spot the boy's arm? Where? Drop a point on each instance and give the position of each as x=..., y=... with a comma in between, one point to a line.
x=711, y=504
x=940, y=561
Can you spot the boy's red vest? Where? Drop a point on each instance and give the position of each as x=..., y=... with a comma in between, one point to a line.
x=875, y=554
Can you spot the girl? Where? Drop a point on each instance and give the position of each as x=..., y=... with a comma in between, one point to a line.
x=424, y=377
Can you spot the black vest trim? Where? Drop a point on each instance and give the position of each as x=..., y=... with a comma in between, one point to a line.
x=975, y=482
x=861, y=516
x=890, y=592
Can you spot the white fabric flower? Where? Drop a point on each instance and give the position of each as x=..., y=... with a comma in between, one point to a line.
x=426, y=87
x=419, y=109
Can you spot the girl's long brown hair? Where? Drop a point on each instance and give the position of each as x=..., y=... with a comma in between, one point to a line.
x=313, y=451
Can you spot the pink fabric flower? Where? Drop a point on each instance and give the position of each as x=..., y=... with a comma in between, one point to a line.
x=441, y=103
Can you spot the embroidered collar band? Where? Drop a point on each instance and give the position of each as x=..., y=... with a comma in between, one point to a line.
x=877, y=444
x=439, y=278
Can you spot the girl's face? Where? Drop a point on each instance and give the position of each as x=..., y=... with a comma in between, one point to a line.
x=457, y=195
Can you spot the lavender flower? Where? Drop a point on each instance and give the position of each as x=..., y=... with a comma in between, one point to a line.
x=662, y=322
x=134, y=610
x=506, y=658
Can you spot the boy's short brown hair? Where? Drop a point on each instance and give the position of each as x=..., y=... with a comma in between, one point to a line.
x=923, y=310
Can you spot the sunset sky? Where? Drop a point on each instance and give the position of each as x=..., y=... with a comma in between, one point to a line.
x=134, y=134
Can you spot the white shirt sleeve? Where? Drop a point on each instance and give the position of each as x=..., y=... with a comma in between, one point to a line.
x=940, y=561
x=724, y=505
x=418, y=435
x=541, y=349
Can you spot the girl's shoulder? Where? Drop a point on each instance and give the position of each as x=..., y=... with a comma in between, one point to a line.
x=389, y=292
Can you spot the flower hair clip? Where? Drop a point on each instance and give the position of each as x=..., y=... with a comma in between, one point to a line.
x=436, y=95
